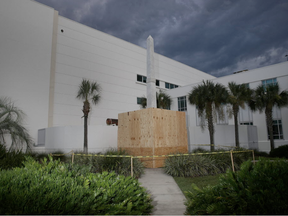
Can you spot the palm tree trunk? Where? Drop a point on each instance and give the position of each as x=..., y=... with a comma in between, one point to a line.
x=86, y=109
x=269, y=119
x=211, y=129
x=86, y=134
x=235, y=113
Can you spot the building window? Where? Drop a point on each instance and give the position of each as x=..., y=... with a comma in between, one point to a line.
x=143, y=79
x=246, y=123
x=157, y=83
x=277, y=130
x=170, y=86
x=139, y=100
x=182, y=103
x=245, y=116
x=269, y=82
x=277, y=124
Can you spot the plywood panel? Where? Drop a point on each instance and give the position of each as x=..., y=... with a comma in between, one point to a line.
x=152, y=131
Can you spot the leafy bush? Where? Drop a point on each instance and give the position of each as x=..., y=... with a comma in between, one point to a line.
x=259, y=189
x=119, y=165
x=10, y=159
x=57, y=188
x=190, y=166
x=15, y=158
x=281, y=152
x=201, y=165
x=258, y=153
x=38, y=156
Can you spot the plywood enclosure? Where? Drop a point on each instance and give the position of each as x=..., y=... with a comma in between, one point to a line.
x=152, y=131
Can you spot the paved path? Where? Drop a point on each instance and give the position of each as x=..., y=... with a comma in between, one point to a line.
x=168, y=199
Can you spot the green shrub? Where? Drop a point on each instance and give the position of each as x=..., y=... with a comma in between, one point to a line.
x=57, y=188
x=119, y=165
x=202, y=165
x=259, y=189
x=10, y=159
x=199, y=150
x=281, y=152
x=258, y=153
x=38, y=156
x=190, y=166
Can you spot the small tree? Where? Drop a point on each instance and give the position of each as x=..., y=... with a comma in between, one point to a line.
x=208, y=98
x=11, y=124
x=88, y=91
x=265, y=98
x=163, y=100
x=238, y=95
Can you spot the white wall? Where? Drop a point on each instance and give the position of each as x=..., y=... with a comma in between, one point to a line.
x=100, y=138
x=25, y=57
x=83, y=52
x=224, y=136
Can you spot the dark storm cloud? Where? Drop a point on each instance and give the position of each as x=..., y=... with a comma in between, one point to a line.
x=215, y=36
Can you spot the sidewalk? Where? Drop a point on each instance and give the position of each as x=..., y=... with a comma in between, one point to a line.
x=167, y=197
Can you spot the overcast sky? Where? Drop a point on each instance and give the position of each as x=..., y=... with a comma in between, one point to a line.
x=218, y=37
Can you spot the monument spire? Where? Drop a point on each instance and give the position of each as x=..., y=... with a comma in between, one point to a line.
x=151, y=80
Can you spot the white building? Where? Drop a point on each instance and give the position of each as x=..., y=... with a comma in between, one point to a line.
x=253, y=132
x=44, y=57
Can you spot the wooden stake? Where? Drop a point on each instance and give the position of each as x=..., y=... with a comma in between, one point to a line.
x=131, y=166
x=232, y=161
x=72, y=157
x=253, y=157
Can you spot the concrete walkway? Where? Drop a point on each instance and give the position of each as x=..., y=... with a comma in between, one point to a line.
x=167, y=197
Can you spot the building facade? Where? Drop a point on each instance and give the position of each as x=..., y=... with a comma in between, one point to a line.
x=44, y=57
x=253, y=132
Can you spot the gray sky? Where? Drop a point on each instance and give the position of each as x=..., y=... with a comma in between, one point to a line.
x=218, y=37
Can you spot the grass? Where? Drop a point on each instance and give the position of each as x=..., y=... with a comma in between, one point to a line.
x=184, y=183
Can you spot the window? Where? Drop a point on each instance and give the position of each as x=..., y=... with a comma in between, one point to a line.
x=143, y=79
x=157, y=83
x=246, y=123
x=139, y=100
x=269, y=82
x=277, y=130
x=245, y=116
x=277, y=124
x=170, y=86
x=182, y=103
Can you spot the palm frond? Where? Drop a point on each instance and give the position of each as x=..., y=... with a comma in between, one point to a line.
x=163, y=100
x=89, y=91
x=143, y=102
x=11, y=124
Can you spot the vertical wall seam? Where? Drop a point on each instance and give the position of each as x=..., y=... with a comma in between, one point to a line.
x=53, y=69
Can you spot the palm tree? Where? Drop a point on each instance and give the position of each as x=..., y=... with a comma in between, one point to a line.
x=238, y=95
x=88, y=91
x=163, y=100
x=11, y=124
x=208, y=98
x=265, y=98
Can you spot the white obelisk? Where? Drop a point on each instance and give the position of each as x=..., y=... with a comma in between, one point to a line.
x=151, y=80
